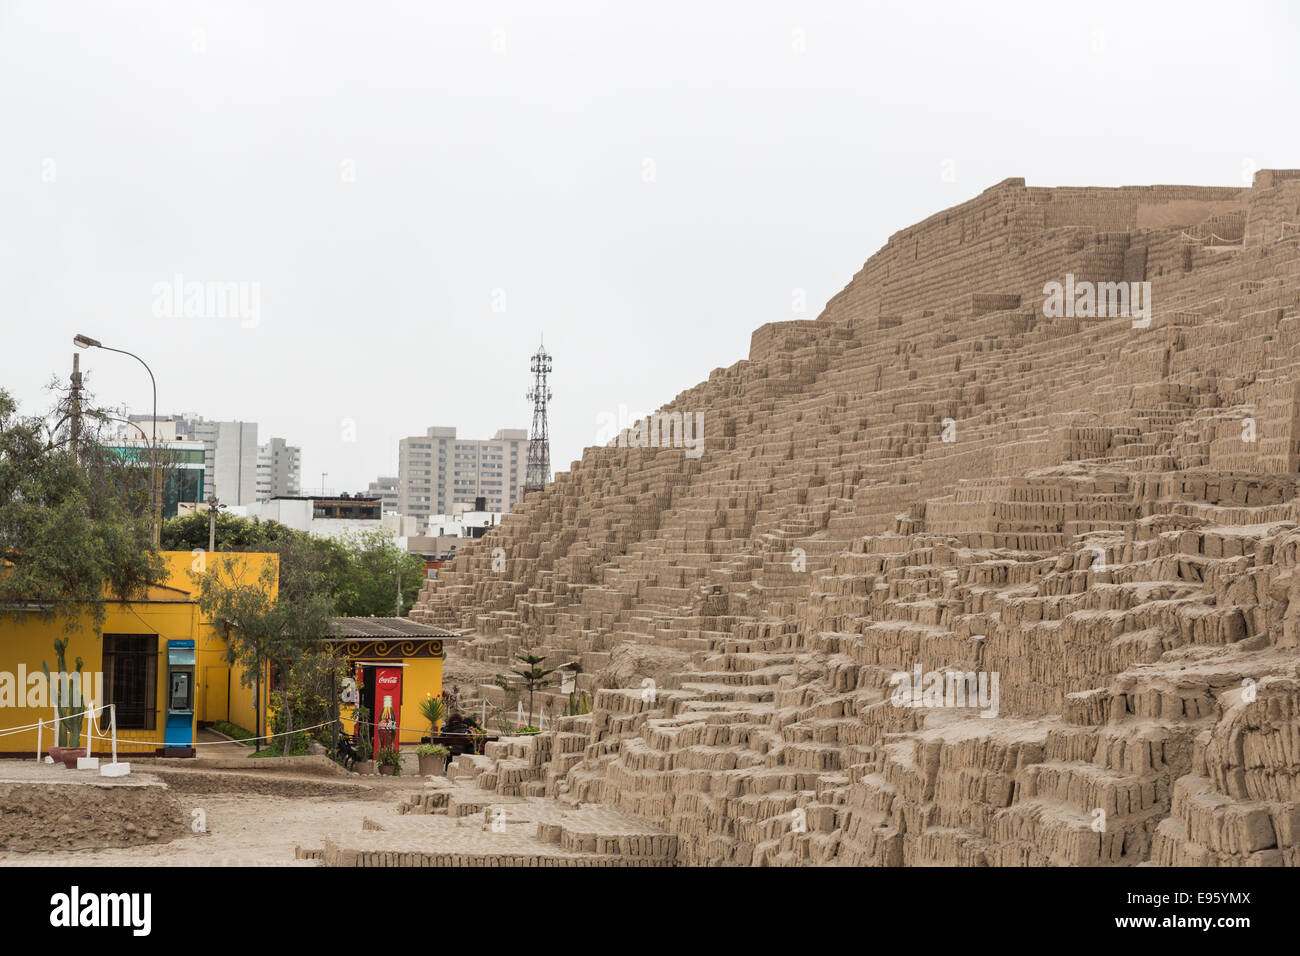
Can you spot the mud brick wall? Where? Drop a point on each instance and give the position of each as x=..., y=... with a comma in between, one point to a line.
x=936, y=477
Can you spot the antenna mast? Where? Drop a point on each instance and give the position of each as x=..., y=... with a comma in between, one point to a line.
x=539, y=442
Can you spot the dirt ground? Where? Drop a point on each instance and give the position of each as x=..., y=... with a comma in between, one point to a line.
x=45, y=808
x=180, y=816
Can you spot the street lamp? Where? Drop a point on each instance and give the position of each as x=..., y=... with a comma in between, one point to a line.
x=213, y=506
x=86, y=342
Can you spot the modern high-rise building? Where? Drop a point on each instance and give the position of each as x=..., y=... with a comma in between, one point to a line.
x=230, y=460
x=279, y=470
x=182, y=461
x=437, y=470
x=385, y=487
x=230, y=454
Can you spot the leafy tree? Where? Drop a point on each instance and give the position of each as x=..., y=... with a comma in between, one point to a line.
x=75, y=520
x=309, y=694
x=262, y=626
x=189, y=532
x=373, y=566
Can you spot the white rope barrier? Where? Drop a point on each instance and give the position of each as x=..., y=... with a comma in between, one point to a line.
x=215, y=743
x=111, y=731
x=1188, y=237
x=8, y=731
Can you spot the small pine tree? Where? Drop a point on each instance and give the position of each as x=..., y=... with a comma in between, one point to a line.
x=533, y=678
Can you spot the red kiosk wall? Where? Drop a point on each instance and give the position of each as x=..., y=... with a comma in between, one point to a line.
x=388, y=682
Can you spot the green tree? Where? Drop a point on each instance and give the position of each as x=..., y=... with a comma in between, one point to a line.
x=262, y=626
x=75, y=523
x=374, y=565
x=309, y=695
x=189, y=532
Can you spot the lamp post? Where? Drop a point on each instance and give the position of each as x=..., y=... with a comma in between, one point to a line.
x=155, y=500
x=213, y=506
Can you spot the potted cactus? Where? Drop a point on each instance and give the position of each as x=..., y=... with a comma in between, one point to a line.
x=433, y=759
x=66, y=748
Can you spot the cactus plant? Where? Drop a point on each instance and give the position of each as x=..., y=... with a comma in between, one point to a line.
x=69, y=725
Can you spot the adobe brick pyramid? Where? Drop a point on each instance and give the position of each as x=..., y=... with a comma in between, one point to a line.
x=942, y=475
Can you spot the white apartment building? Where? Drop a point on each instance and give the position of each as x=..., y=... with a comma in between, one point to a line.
x=279, y=470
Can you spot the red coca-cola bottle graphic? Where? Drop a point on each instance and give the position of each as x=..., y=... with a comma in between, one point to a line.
x=387, y=725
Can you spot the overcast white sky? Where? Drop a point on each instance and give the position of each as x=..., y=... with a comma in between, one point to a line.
x=645, y=184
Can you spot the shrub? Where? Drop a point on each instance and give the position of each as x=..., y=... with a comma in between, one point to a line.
x=277, y=750
x=232, y=730
x=389, y=757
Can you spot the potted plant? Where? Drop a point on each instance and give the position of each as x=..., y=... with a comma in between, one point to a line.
x=433, y=759
x=66, y=748
x=390, y=762
x=479, y=736
x=433, y=709
x=67, y=755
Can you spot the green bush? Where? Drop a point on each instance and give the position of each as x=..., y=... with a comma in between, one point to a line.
x=277, y=750
x=389, y=757
x=232, y=730
x=432, y=750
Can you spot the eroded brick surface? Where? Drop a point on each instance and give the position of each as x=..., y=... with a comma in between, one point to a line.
x=937, y=474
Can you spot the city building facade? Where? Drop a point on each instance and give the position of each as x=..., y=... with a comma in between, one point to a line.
x=279, y=470
x=230, y=453
x=437, y=471
x=386, y=489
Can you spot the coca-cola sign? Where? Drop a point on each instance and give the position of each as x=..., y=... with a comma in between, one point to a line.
x=388, y=689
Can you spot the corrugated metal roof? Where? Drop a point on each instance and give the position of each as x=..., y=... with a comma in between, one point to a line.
x=390, y=627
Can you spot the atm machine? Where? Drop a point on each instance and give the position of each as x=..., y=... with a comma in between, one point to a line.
x=179, y=729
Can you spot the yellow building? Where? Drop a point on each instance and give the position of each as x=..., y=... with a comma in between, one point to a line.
x=221, y=694
x=154, y=658
x=393, y=657
x=162, y=665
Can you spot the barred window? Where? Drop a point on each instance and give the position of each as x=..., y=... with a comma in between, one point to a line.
x=131, y=679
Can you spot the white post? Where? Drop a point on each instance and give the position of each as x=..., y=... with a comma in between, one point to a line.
x=519, y=714
x=115, y=769
x=56, y=727
x=90, y=727
x=483, y=720
x=40, y=733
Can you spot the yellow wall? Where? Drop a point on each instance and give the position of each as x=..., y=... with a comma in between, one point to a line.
x=24, y=645
x=171, y=613
x=422, y=676
x=219, y=693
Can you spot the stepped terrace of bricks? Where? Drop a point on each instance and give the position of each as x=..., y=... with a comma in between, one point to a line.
x=941, y=476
